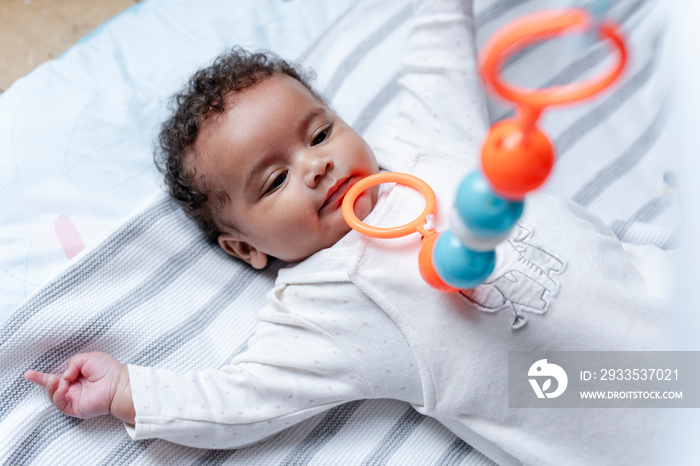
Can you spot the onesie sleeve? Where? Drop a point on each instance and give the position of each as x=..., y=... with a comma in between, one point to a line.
x=442, y=101
x=291, y=371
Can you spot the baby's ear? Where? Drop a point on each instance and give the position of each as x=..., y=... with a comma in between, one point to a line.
x=237, y=247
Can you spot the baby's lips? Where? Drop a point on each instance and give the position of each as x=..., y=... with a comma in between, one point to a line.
x=337, y=192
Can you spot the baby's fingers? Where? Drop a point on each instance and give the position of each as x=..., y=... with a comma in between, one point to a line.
x=75, y=367
x=59, y=398
x=40, y=378
x=49, y=381
x=56, y=388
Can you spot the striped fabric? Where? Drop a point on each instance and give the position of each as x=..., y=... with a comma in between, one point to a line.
x=154, y=292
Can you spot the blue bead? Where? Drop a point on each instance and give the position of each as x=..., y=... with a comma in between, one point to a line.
x=458, y=266
x=482, y=211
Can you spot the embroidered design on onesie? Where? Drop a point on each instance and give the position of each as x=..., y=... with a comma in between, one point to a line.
x=523, y=279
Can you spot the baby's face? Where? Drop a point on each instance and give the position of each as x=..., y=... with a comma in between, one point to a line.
x=285, y=162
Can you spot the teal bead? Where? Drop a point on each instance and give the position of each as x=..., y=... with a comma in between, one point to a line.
x=458, y=266
x=482, y=211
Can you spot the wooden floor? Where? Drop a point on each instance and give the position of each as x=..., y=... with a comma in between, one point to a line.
x=34, y=31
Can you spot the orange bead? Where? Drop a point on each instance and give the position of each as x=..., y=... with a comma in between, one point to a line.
x=425, y=265
x=513, y=164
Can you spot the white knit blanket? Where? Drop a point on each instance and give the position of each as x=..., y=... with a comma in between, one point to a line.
x=154, y=292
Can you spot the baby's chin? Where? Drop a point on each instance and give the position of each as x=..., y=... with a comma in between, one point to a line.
x=363, y=207
x=365, y=202
x=328, y=241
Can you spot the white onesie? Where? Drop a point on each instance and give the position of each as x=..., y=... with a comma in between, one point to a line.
x=356, y=321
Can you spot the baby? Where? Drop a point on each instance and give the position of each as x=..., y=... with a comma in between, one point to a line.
x=263, y=173
x=262, y=164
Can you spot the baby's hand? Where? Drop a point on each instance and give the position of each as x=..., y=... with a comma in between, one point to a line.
x=93, y=384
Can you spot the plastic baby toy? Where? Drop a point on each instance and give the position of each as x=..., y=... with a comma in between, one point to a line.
x=516, y=158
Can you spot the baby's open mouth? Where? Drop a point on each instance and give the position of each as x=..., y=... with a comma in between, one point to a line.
x=336, y=193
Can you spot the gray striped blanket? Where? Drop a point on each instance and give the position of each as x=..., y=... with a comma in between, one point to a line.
x=154, y=292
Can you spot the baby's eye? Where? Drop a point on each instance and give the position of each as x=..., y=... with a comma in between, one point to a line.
x=322, y=136
x=278, y=181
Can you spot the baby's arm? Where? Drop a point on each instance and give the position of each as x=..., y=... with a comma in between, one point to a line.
x=442, y=101
x=93, y=384
x=291, y=371
x=314, y=348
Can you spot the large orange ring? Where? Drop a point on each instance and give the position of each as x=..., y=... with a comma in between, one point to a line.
x=538, y=27
x=414, y=226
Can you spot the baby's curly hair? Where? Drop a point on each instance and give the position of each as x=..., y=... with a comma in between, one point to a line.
x=202, y=96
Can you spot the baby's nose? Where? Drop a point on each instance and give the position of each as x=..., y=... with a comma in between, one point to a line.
x=318, y=168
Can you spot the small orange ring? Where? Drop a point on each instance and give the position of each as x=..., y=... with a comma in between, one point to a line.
x=348, y=208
